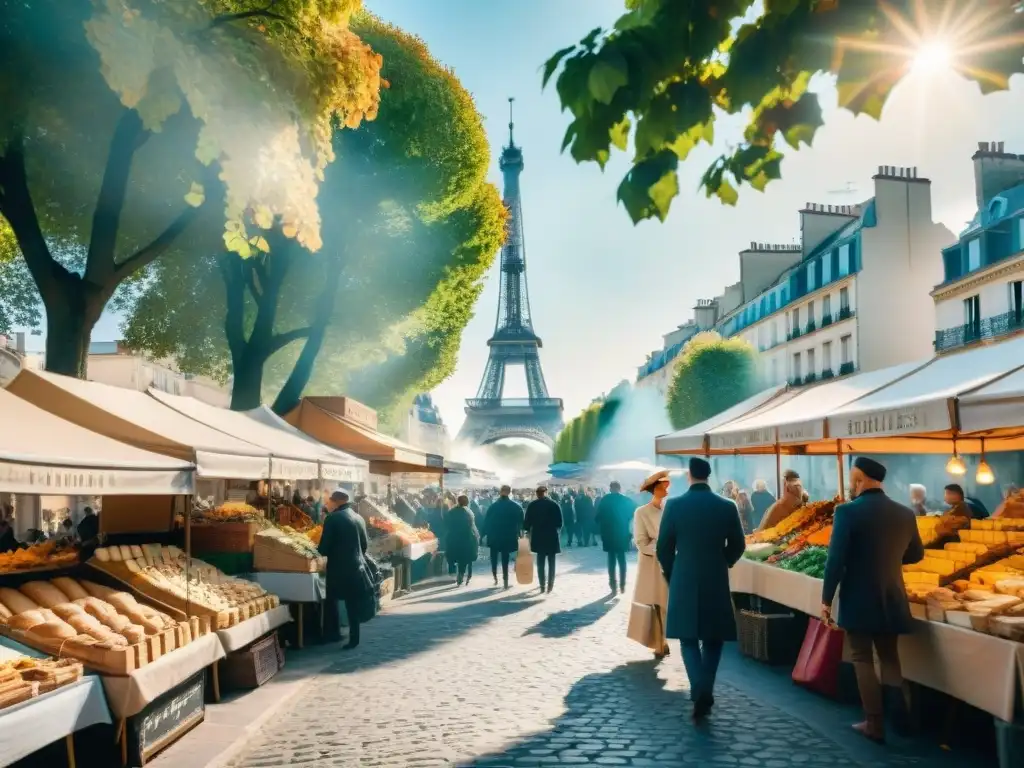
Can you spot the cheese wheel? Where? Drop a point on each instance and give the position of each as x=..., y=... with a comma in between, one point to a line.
x=43, y=593
x=26, y=620
x=16, y=602
x=54, y=630
x=69, y=587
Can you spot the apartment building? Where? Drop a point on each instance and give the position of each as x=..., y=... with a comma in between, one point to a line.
x=981, y=297
x=111, y=362
x=424, y=428
x=852, y=295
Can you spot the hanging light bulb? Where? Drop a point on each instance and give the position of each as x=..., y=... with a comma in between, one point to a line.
x=984, y=475
x=956, y=466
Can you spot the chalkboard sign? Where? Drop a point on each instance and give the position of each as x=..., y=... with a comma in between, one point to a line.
x=168, y=718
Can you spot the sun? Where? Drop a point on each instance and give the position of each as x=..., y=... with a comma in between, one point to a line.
x=933, y=56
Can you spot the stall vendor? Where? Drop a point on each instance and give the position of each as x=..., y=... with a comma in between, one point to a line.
x=792, y=499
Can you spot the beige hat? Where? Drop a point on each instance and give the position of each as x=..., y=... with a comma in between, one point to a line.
x=653, y=480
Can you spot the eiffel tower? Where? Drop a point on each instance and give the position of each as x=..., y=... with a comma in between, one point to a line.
x=489, y=416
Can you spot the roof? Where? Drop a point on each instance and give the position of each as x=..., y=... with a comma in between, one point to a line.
x=1005, y=205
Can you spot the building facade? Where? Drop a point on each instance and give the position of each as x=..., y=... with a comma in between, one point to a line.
x=424, y=428
x=110, y=362
x=981, y=296
x=828, y=305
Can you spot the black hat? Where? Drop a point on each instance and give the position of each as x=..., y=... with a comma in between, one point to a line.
x=870, y=467
x=699, y=469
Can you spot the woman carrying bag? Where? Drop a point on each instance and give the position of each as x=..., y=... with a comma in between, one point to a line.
x=462, y=539
x=651, y=589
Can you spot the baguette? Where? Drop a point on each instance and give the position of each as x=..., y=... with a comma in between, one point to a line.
x=43, y=593
x=15, y=601
x=133, y=633
x=136, y=552
x=54, y=630
x=88, y=625
x=97, y=590
x=5, y=612
x=114, y=554
x=126, y=552
x=69, y=587
x=102, y=554
x=26, y=620
x=66, y=610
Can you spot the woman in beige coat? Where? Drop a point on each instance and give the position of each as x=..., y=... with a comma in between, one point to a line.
x=651, y=588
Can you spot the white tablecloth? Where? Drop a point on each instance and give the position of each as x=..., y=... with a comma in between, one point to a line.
x=970, y=666
x=292, y=587
x=129, y=695
x=418, y=549
x=252, y=629
x=31, y=725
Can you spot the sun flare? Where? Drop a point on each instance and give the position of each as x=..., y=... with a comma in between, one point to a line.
x=933, y=56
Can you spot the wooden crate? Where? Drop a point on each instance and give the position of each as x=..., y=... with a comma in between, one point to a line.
x=252, y=666
x=224, y=537
x=266, y=557
x=112, y=661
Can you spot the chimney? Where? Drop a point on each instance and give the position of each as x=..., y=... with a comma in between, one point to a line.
x=19, y=342
x=995, y=171
x=818, y=221
x=705, y=314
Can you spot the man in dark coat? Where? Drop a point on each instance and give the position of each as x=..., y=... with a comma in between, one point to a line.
x=583, y=507
x=502, y=526
x=343, y=543
x=700, y=539
x=873, y=537
x=462, y=539
x=615, y=522
x=544, y=524
x=568, y=518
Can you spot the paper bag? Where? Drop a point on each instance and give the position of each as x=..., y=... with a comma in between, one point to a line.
x=817, y=666
x=641, y=625
x=524, y=562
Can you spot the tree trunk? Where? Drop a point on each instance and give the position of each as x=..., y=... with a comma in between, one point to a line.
x=247, y=386
x=72, y=309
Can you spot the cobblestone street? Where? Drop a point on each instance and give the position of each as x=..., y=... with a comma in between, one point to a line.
x=482, y=677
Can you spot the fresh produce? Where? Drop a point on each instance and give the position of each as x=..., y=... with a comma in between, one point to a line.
x=314, y=534
x=760, y=552
x=230, y=512
x=815, y=510
x=405, y=532
x=821, y=537
x=933, y=529
x=290, y=539
x=48, y=554
x=810, y=561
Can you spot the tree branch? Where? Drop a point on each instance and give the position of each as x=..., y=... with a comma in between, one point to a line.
x=255, y=288
x=258, y=13
x=149, y=253
x=282, y=340
x=128, y=136
x=234, y=300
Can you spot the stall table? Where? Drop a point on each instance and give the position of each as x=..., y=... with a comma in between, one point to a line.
x=403, y=560
x=973, y=667
x=297, y=588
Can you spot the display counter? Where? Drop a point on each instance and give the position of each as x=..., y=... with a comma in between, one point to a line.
x=250, y=630
x=979, y=669
x=296, y=588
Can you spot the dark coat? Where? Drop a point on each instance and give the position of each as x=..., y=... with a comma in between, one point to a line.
x=700, y=539
x=583, y=507
x=873, y=537
x=503, y=524
x=462, y=539
x=568, y=515
x=543, y=522
x=615, y=521
x=343, y=542
x=761, y=500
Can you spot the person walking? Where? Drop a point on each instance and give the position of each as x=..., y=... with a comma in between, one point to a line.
x=568, y=519
x=651, y=587
x=544, y=525
x=503, y=524
x=873, y=537
x=700, y=539
x=343, y=542
x=583, y=507
x=615, y=523
x=462, y=539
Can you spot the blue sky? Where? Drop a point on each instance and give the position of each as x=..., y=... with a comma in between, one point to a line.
x=603, y=291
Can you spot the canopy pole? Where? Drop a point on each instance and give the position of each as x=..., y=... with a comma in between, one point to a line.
x=839, y=464
x=189, y=502
x=778, y=471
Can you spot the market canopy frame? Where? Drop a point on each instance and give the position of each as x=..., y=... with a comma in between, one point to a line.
x=693, y=440
x=137, y=419
x=335, y=465
x=41, y=453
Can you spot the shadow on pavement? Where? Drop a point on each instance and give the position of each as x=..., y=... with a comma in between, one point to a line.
x=564, y=623
x=628, y=717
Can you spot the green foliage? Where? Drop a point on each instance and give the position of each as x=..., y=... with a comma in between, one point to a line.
x=712, y=374
x=413, y=226
x=577, y=441
x=669, y=68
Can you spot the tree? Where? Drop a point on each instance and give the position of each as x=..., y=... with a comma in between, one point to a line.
x=712, y=374
x=578, y=439
x=670, y=68
x=378, y=313
x=126, y=123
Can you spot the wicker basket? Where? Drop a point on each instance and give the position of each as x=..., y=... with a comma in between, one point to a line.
x=253, y=666
x=224, y=537
x=765, y=636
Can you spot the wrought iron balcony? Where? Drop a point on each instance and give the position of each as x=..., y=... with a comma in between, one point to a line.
x=847, y=368
x=520, y=402
x=794, y=334
x=826, y=374
x=811, y=327
x=826, y=319
x=990, y=328
x=844, y=313
x=810, y=378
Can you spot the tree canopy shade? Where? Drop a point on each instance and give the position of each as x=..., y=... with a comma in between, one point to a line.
x=668, y=68
x=712, y=374
x=410, y=227
x=129, y=126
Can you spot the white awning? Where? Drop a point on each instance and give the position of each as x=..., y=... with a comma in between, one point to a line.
x=137, y=419
x=334, y=464
x=292, y=458
x=997, y=407
x=41, y=453
x=923, y=403
x=801, y=419
x=692, y=439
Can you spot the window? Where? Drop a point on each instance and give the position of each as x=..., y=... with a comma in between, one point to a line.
x=810, y=276
x=972, y=316
x=826, y=306
x=796, y=367
x=826, y=268
x=775, y=333
x=826, y=356
x=974, y=254
x=844, y=299
x=1017, y=300
x=811, y=370
x=844, y=260
x=796, y=320
x=1020, y=233
x=844, y=349
x=810, y=312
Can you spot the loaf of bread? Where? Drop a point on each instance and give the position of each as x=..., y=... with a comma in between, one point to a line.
x=136, y=552
x=133, y=633
x=5, y=613
x=66, y=610
x=54, y=630
x=105, y=613
x=26, y=620
x=43, y=593
x=114, y=554
x=69, y=587
x=89, y=625
x=126, y=552
x=96, y=590
x=102, y=554
x=16, y=602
